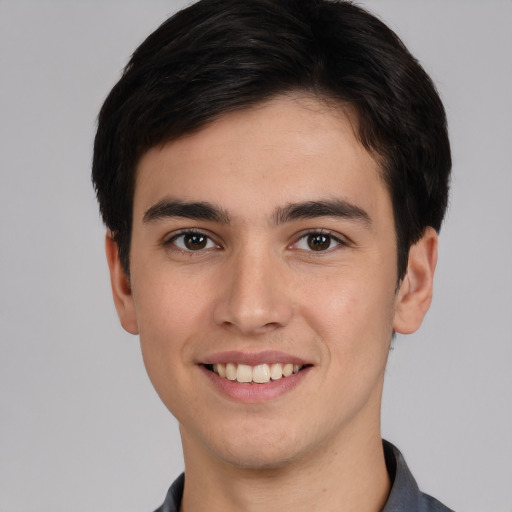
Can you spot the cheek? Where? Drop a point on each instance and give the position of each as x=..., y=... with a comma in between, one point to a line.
x=168, y=303
x=353, y=315
x=170, y=313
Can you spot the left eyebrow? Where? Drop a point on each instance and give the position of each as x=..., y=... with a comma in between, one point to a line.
x=168, y=208
x=326, y=208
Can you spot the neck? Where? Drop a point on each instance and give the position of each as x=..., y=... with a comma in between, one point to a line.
x=348, y=476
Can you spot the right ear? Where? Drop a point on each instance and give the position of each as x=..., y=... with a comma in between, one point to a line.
x=121, y=288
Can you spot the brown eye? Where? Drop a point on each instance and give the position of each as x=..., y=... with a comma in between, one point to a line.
x=195, y=241
x=192, y=241
x=319, y=242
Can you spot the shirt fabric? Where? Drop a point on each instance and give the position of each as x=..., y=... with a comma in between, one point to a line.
x=404, y=495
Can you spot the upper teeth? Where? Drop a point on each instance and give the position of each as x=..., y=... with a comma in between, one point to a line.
x=260, y=374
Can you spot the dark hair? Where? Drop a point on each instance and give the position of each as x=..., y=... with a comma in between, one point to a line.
x=218, y=56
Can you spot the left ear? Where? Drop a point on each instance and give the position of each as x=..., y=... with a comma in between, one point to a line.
x=415, y=294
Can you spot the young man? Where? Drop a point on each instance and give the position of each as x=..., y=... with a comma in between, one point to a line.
x=273, y=175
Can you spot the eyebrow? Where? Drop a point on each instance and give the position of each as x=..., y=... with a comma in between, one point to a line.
x=202, y=210
x=168, y=208
x=326, y=208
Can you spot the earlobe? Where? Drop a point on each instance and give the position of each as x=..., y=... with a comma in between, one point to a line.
x=415, y=294
x=121, y=288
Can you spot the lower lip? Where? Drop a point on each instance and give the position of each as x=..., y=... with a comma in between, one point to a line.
x=253, y=393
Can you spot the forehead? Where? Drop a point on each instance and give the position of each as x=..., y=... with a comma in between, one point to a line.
x=289, y=149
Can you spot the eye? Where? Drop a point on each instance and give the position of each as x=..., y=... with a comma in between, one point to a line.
x=318, y=242
x=192, y=241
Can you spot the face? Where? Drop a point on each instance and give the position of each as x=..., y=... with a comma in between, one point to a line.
x=263, y=283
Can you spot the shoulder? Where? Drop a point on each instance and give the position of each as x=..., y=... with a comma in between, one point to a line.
x=405, y=494
x=172, y=501
x=430, y=504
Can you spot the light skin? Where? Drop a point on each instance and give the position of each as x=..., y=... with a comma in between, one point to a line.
x=268, y=237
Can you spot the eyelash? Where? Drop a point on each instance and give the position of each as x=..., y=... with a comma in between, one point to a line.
x=170, y=242
x=339, y=241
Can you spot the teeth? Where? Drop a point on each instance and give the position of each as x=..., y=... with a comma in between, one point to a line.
x=287, y=370
x=220, y=369
x=260, y=374
x=231, y=371
x=244, y=373
x=276, y=371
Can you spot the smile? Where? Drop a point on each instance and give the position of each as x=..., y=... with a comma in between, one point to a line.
x=259, y=374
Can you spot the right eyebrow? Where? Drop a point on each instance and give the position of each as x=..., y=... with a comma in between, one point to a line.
x=168, y=208
x=322, y=208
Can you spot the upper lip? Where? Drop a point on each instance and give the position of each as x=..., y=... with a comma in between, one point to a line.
x=254, y=358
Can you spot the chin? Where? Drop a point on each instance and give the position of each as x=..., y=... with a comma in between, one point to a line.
x=257, y=459
x=261, y=451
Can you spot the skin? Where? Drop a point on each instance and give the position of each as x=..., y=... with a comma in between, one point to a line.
x=257, y=285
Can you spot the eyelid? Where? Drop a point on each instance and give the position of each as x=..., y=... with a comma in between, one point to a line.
x=340, y=240
x=169, y=239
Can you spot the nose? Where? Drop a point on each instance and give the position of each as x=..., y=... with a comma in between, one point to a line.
x=253, y=296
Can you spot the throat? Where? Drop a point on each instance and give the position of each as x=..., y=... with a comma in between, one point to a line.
x=349, y=478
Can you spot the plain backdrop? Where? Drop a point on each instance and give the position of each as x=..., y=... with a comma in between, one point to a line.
x=81, y=429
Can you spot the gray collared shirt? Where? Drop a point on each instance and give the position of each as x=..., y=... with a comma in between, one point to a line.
x=404, y=496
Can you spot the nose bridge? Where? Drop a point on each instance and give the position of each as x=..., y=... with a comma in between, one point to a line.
x=254, y=297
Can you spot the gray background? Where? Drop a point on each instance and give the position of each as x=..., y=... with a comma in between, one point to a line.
x=81, y=428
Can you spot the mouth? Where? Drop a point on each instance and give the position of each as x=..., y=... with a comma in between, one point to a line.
x=259, y=374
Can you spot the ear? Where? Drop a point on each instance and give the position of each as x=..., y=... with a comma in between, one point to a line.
x=415, y=294
x=121, y=288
